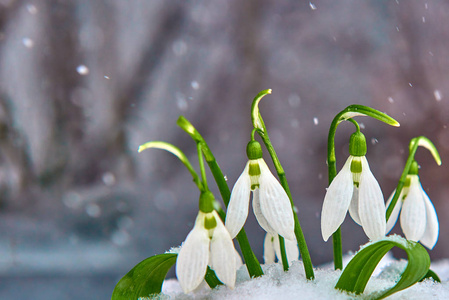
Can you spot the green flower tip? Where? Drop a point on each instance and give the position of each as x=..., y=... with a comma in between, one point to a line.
x=210, y=222
x=255, y=109
x=357, y=144
x=185, y=125
x=141, y=148
x=254, y=150
x=207, y=202
x=153, y=144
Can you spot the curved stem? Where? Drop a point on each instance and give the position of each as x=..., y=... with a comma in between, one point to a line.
x=347, y=114
x=413, y=146
x=252, y=264
x=259, y=125
x=305, y=255
x=332, y=170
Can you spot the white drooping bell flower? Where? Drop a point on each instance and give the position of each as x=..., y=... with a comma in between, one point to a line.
x=272, y=249
x=418, y=217
x=354, y=189
x=209, y=243
x=271, y=204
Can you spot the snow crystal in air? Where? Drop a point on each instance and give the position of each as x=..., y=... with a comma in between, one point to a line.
x=82, y=70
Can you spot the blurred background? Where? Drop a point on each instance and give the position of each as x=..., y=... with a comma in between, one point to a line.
x=84, y=83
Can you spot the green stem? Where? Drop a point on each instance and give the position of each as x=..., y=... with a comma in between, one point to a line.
x=283, y=253
x=332, y=173
x=252, y=264
x=259, y=125
x=413, y=146
x=305, y=255
x=338, y=249
x=202, y=169
x=346, y=115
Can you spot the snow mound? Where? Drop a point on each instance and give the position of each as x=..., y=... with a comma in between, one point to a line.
x=277, y=284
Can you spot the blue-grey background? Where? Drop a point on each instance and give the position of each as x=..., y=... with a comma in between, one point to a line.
x=84, y=83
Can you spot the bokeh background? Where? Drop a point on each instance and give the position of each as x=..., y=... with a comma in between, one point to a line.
x=84, y=83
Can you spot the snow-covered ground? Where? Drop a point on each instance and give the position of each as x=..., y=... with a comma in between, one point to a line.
x=277, y=284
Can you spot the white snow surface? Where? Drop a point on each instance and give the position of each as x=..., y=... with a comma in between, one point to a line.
x=277, y=284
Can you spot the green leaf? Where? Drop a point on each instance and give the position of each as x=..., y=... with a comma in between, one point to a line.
x=431, y=274
x=145, y=278
x=359, y=270
x=211, y=278
x=426, y=143
x=361, y=110
x=176, y=152
x=255, y=116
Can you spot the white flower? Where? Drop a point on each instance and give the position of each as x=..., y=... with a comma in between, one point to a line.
x=272, y=249
x=356, y=189
x=419, y=220
x=209, y=243
x=271, y=204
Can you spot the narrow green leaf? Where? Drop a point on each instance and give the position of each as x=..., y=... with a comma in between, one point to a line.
x=361, y=110
x=431, y=274
x=359, y=270
x=176, y=152
x=426, y=143
x=255, y=116
x=145, y=278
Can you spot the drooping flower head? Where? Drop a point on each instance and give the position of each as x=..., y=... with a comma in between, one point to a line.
x=209, y=243
x=271, y=204
x=419, y=220
x=354, y=189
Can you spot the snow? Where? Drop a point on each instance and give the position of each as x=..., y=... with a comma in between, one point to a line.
x=277, y=284
x=82, y=70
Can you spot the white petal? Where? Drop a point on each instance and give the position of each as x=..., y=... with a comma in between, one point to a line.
x=291, y=249
x=337, y=200
x=191, y=264
x=268, y=249
x=371, y=204
x=413, y=215
x=238, y=260
x=258, y=213
x=395, y=213
x=430, y=236
x=222, y=253
x=354, y=206
x=238, y=207
x=275, y=204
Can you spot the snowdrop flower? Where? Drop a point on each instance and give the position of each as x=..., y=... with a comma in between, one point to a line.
x=354, y=189
x=419, y=220
x=209, y=243
x=272, y=250
x=271, y=204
